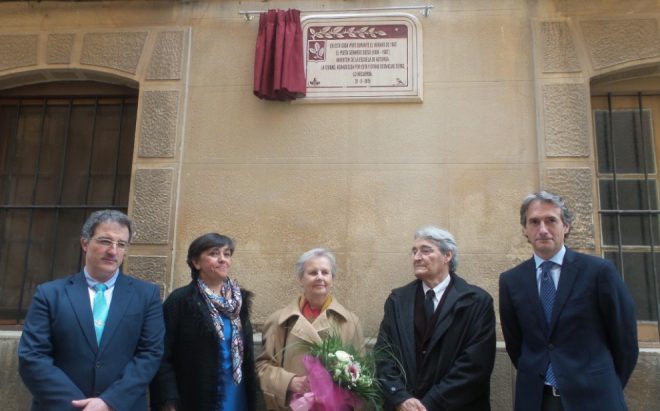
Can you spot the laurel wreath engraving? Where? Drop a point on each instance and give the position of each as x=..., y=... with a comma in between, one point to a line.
x=341, y=32
x=317, y=51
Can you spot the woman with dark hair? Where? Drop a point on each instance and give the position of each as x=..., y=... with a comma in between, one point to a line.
x=209, y=361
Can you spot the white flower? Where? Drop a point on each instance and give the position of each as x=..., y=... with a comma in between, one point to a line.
x=353, y=370
x=343, y=356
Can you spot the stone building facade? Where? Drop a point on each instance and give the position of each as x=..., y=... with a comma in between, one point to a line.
x=506, y=111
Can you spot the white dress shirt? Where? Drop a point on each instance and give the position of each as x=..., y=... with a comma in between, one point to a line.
x=439, y=290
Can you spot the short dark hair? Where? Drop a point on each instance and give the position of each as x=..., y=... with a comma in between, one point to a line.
x=104, y=216
x=203, y=243
x=549, y=198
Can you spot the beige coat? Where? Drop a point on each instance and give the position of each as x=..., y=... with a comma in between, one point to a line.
x=285, y=340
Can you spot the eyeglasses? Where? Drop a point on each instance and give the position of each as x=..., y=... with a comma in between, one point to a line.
x=106, y=242
x=423, y=251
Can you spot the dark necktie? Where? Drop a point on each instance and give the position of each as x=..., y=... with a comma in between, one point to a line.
x=429, y=307
x=547, y=295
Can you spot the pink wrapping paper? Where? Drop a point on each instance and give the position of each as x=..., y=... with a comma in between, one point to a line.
x=324, y=394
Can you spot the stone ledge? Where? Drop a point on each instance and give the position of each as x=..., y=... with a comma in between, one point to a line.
x=641, y=392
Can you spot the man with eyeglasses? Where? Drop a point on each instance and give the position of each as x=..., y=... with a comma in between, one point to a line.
x=437, y=336
x=93, y=340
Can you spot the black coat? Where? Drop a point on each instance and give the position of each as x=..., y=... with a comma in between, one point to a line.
x=189, y=373
x=455, y=374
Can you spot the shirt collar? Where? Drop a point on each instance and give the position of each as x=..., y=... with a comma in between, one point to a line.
x=557, y=258
x=438, y=288
x=92, y=282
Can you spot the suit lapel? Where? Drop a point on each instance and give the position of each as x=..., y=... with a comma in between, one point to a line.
x=531, y=289
x=202, y=306
x=121, y=297
x=405, y=319
x=446, y=315
x=569, y=271
x=77, y=291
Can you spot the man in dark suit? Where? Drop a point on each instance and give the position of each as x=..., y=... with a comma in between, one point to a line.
x=439, y=332
x=93, y=340
x=568, y=319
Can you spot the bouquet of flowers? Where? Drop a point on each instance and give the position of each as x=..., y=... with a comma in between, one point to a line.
x=340, y=378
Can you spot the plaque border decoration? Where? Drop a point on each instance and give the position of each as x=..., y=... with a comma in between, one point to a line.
x=362, y=57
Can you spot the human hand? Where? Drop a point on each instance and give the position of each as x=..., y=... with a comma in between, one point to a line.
x=91, y=404
x=299, y=384
x=411, y=404
x=168, y=406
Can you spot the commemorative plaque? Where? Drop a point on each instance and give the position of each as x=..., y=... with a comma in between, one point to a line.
x=366, y=57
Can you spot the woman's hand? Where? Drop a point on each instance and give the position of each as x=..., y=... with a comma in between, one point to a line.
x=299, y=385
x=411, y=404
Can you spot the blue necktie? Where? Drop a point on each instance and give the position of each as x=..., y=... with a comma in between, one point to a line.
x=547, y=295
x=100, y=310
x=429, y=307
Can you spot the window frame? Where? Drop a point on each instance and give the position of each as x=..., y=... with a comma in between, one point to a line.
x=647, y=330
x=120, y=99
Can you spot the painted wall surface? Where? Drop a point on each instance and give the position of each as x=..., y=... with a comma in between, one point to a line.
x=505, y=112
x=283, y=178
x=360, y=178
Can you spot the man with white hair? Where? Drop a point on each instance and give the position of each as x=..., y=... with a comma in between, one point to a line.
x=439, y=334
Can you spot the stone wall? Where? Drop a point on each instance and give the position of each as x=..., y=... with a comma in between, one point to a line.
x=14, y=395
x=506, y=111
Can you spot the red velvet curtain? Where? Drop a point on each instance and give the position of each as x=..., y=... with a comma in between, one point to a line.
x=279, y=72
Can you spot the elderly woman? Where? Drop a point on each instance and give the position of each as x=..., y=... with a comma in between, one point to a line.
x=209, y=361
x=307, y=319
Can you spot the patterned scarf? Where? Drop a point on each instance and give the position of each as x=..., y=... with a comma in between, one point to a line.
x=229, y=304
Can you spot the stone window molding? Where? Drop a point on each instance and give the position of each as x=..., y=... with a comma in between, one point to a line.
x=152, y=59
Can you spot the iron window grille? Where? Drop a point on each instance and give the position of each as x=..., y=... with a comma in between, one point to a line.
x=61, y=157
x=628, y=197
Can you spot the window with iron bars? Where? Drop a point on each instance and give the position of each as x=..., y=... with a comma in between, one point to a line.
x=62, y=156
x=627, y=170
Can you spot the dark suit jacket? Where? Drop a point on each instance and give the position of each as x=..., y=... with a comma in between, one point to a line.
x=591, y=340
x=455, y=375
x=59, y=360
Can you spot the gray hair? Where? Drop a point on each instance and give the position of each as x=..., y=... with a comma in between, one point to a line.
x=314, y=253
x=443, y=240
x=549, y=198
x=104, y=216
